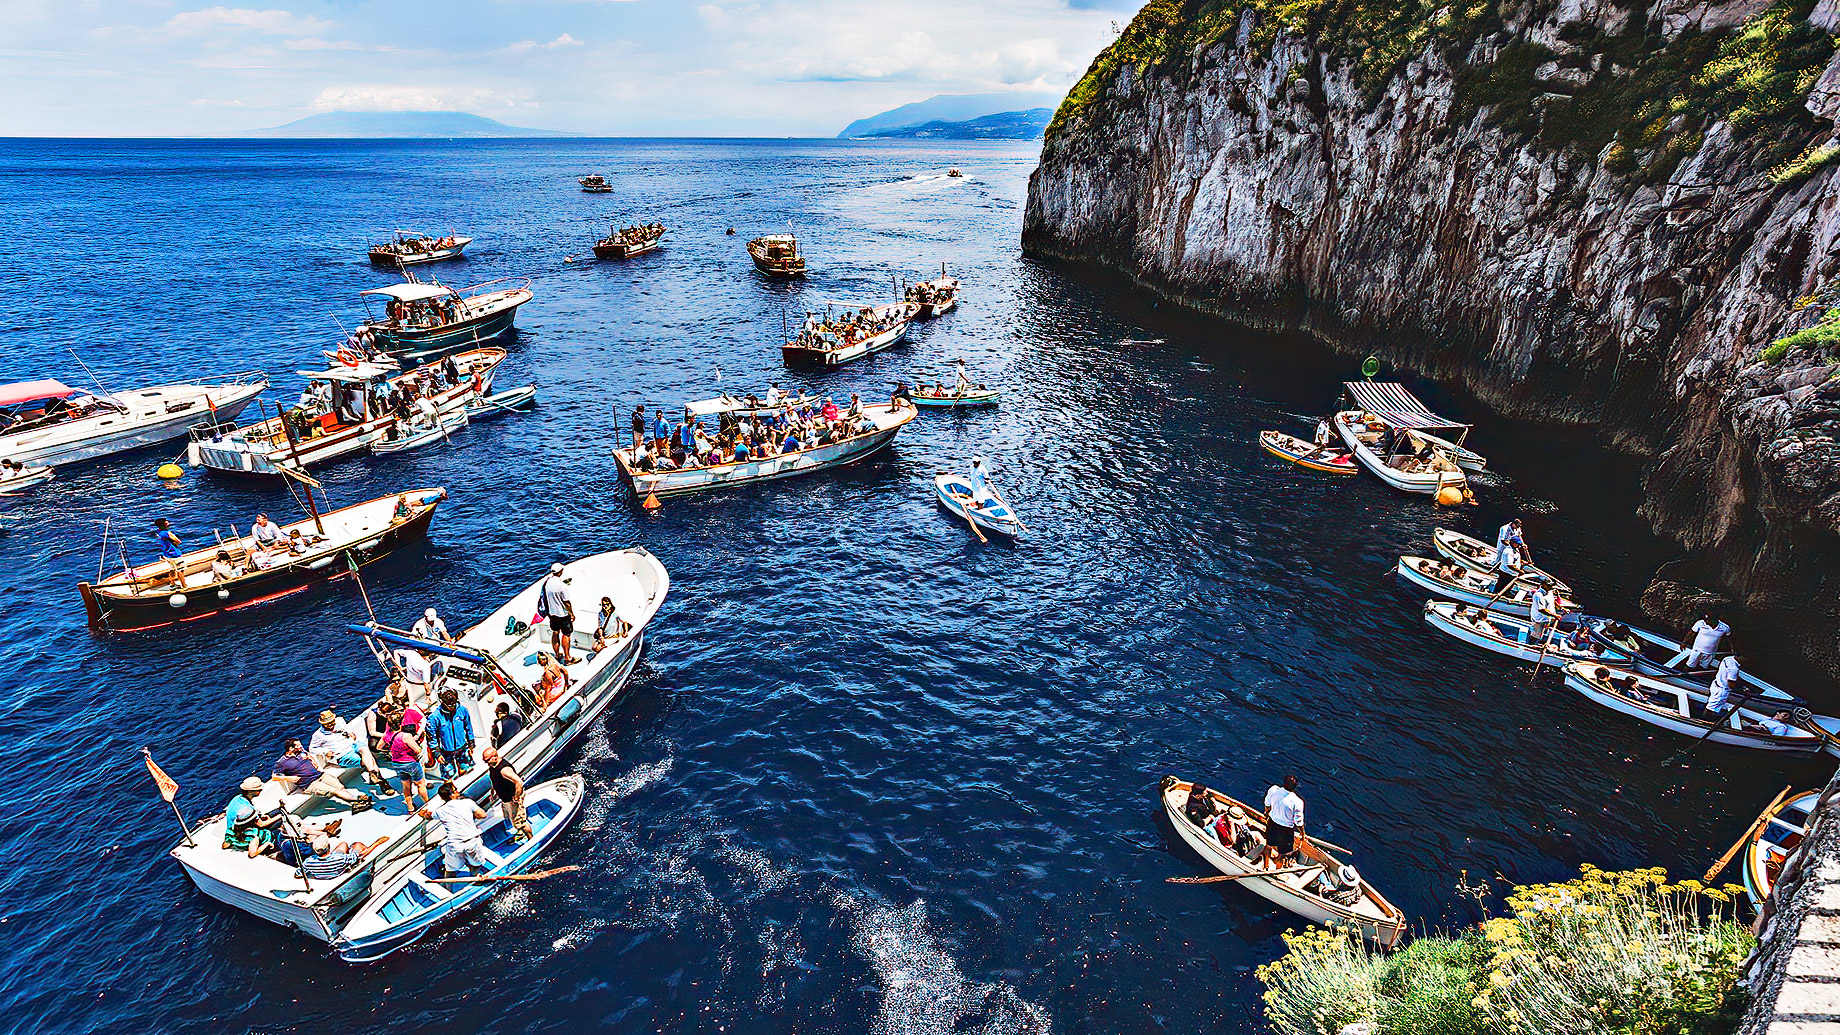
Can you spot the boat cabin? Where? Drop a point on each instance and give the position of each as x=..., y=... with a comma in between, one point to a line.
x=414, y=306
x=27, y=405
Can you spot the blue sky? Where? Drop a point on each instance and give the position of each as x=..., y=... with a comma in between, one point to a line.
x=626, y=67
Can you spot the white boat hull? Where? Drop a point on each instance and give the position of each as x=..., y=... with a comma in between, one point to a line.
x=954, y=494
x=785, y=465
x=1729, y=731
x=1513, y=640
x=94, y=437
x=1426, y=482
x=1513, y=602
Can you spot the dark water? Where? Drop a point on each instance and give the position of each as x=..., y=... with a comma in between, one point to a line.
x=873, y=776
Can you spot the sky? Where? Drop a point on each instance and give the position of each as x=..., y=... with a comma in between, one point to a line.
x=606, y=67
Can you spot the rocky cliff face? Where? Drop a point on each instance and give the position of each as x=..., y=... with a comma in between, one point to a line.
x=1579, y=211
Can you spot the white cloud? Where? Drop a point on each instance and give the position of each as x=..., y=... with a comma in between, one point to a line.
x=383, y=97
x=561, y=42
x=269, y=23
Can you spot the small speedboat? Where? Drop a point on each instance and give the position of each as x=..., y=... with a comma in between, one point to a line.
x=1452, y=581
x=1329, y=459
x=414, y=436
x=401, y=912
x=1479, y=556
x=14, y=481
x=1683, y=710
x=1510, y=635
x=595, y=183
x=1781, y=834
x=954, y=493
x=498, y=404
x=1317, y=886
x=954, y=173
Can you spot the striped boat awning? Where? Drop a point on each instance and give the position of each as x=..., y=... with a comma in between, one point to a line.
x=1389, y=401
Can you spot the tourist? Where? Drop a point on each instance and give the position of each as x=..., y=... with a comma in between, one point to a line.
x=1323, y=432
x=508, y=785
x=407, y=756
x=416, y=671
x=330, y=861
x=505, y=725
x=430, y=627
x=609, y=619
x=1284, y=822
x=167, y=542
x=660, y=433
x=222, y=569
x=297, y=774
x=1718, y=701
x=459, y=817
x=450, y=736
x=553, y=685
x=1227, y=826
x=336, y=745
x=1708, y=633
x=246, y=831
x=296, y=544
x=638, y=426
x=266, y=533
x=554, y=604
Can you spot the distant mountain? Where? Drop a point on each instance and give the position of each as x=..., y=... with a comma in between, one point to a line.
x=402, y=124
x=948, y=108
x=1008, y=125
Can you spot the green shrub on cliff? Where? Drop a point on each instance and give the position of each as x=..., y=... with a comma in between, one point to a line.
x=1822, y=339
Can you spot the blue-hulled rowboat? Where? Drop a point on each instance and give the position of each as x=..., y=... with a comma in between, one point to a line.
x=954, y=492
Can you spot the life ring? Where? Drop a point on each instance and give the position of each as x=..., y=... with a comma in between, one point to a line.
x=348, y=357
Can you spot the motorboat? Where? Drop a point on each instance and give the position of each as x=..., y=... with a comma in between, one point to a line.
x=595, y=183
x=492, y=662
x=159, y=593
x=413, y=248
x=933, y=297
x=47, y=423
x=1395, y=409
x=631, y=241
x=837, y=338
x=777, y=256
x=422, y=321
x=882, y=423
x=344, y=410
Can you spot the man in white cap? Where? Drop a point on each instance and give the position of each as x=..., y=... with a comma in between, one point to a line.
x=431, y=627
x=981, y=495
x=554, y=604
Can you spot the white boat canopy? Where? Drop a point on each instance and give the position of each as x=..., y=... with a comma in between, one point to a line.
x=33, y=391
x=410, y=292
x=1389, y=401
x=360, y=374
x=711, y=407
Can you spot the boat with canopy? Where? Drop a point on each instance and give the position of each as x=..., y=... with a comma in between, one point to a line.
x=421, y=321
x=344, y=410
x=494, y=661
x=1404, y=459
x=837, y=338
x=873, y=431
x=48, y=423
x=400, y=914
x=1319, y=886
x=777, y=256
x=413, y=248
x=1683, y=710
x=238, y=572
x=1390, y=404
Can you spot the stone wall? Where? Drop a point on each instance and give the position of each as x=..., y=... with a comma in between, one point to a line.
x=1795, y=973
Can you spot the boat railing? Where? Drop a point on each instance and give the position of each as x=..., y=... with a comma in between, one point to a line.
x=211, y=431
x=475, y=289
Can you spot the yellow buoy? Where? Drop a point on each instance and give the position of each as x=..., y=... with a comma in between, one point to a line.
x=170, y=471
x=1450, y=496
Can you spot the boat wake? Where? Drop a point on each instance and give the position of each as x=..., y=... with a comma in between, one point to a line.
x=609, y=794
x=923, y=990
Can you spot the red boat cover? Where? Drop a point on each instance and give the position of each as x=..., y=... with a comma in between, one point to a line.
x=32, y=391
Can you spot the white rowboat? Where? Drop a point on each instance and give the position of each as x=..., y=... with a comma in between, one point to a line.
x=418, y=435
x=12, y=483
x=1683, y=711
x=1470, y=587
x=954, y=492
x=1479, y=556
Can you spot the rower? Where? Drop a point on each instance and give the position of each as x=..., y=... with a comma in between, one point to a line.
x=1284, y=822
x=1510, y=533
x=774, y=395
x=1718, y=702
x=1542, y=608
x=1507, y=565
x=430, y=627
x=1323, y=432
x=981, y=496
x=1708, y=633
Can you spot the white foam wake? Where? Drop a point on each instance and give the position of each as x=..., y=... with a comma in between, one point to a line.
x=923, y=991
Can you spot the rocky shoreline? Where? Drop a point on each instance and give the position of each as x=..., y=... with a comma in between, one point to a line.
x=1427, y=210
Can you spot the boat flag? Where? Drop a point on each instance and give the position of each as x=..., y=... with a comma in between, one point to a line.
x=169, y=787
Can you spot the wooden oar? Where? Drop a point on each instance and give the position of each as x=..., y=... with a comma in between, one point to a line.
x=1541, y=660
x=966, y=505
x=1237, y=876
x=486, y=878
x=1763, y=818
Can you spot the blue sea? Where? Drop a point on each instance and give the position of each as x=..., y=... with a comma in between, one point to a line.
x=873, y=775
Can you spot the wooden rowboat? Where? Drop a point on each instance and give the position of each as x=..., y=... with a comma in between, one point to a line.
x=400, y=913
x=1506, y=634
x=1479, y=556
x=1447, y=579
x=968, y=398
x=1683, y=710
x=1302, y=893
x=1328, y=459
x=419, y=436
x=1781, y=835
x=954, y=492
x=500, y=403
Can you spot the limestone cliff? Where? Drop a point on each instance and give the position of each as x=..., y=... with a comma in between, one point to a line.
x=1579, y=211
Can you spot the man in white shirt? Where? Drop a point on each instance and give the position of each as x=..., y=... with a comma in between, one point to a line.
x=1284, y=822
x=1719, y=700
x=417, y=673
x=1542, y=608
x=431, y=627
x=774, y=395
x=266, y=533
x=461, y=848
x=1708, y=633
x=554, y=603
x=1511, y=533
x=336, y=744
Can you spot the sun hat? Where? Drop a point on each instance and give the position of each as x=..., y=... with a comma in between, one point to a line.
x=253, y=783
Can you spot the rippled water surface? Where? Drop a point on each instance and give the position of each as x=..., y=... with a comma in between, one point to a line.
x=873, y=775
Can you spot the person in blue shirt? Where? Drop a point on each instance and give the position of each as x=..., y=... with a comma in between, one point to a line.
x=660, y=432
x=450, y=735
x=244, y=829
x=741, y=451
x=791, y=444
x=166, y=540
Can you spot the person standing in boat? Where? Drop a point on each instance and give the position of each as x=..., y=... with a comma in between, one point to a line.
x=554, y=604
x=1542, y=608
x=981, y=496
x=459, y=816
x=1718, y=700
x=430, y=627
x=1507, y=566
x=1283, y=821
x=1510, y=535
x=638, y=427
x=1708, y=633
x=1323, y=432
x=508, y=787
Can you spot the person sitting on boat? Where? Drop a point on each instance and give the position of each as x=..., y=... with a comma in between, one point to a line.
x=1708, y=632
x=774, y=395
x=792, y=443
x=331, y=861
x=1579, y=641
x=336, y=745
x=297, y=774
x=553, y=684
x=830, y=409
x=1718, y=700
x=459, y=816
x=266, y=534
x=607, y=619
x=244, y=829
x=222, y=568
x=1341, y=885
x=1777, y=725
x=402, y=512
x=1201, y=806
x=1284, y=821
x=1229, y=825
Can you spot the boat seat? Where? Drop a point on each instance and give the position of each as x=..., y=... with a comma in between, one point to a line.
x=1303, y=879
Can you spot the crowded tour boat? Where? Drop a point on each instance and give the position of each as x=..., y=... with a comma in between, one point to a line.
x=422, y=321
x=345, y=409
x=498, y=679
x=595, y=183
x=856, y=332
x=1389, y=404
x=1402, y=458
x=933, y=297
x=777, y=255
x=628, y=242
x=411, y=248
x=264, y=563
x=749, y=445
x=47, y=423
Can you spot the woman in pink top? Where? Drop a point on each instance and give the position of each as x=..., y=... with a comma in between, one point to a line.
x=403, y=742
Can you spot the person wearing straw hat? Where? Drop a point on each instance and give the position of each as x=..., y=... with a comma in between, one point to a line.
x=244, y=829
